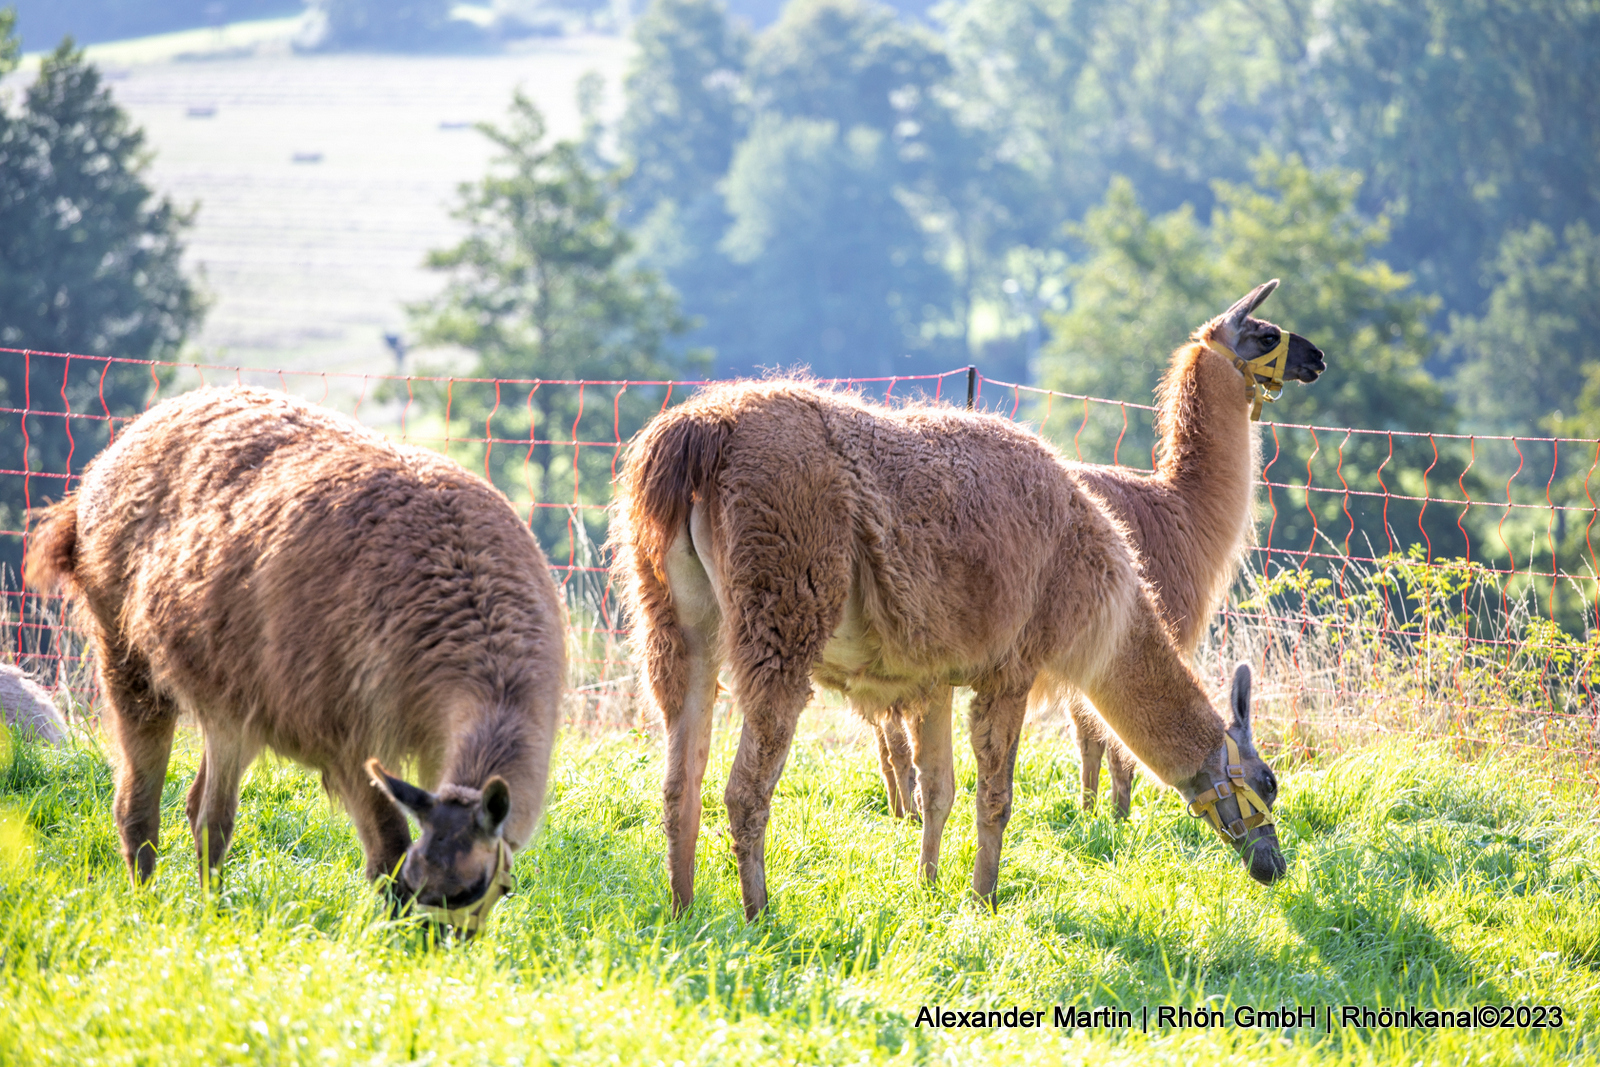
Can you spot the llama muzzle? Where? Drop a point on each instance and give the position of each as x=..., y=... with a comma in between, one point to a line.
x=1266, y=862
x=474, y=916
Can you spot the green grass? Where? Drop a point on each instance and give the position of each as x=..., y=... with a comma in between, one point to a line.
x=1416, y=880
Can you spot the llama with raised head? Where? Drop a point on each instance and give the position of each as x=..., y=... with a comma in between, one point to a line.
x=890, y=553
x=1189, y=520
x=295, y=581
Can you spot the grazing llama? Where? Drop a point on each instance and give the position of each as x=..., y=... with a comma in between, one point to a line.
x=799, y=533
x=1189, y=520
x=297, y=582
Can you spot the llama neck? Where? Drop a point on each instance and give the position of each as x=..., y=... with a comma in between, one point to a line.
x=504, y=742
x=1152, y=702
x=1208, y=458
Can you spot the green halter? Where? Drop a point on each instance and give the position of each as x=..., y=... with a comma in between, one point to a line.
x=473, y=916
x=1264, y=373
x=1253, y=811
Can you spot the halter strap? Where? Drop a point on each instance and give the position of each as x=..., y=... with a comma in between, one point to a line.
x=1253, y=811
x=473, y=916
x=1264, y=374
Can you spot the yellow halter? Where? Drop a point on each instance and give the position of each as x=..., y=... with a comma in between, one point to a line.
x=1270, y=366
x=1253, y=811
x=473, y=916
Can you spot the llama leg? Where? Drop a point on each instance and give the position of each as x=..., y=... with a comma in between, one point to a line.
x=996, y=730
x=1086, y=727
x=936, y=776
x=385, y=835
x=895, y=761
x=688, y=748
x=882, y=732
x=1122, y=765
x=763, y=749
x=783, y=583
x=901, y=761
x=141, y=723
x=682, y=658
x=212, y=812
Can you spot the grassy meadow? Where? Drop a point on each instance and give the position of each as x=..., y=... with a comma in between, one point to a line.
x=1417, y=880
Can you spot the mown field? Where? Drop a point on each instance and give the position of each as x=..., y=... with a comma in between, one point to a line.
x=1417, y=880
x=308, y=263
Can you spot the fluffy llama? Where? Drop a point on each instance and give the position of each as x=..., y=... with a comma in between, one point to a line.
x=297, y=582
x=889, y=554
x=1189, y=520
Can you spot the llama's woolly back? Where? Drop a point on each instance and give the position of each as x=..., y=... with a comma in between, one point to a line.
x=295, y=581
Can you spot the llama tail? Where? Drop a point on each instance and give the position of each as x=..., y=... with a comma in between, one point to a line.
x=53, y=547
x=672, y=462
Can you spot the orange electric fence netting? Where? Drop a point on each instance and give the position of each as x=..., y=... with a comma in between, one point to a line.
x=1425, y=584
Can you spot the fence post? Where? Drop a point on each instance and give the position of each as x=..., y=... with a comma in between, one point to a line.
x=972, y=385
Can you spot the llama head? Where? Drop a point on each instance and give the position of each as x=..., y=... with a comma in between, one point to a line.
x=1236, y=331
x=461, y=858
x=1236, y=790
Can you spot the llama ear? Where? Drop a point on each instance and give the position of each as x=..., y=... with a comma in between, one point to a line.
x=496, y=805
x=1247, y=304
x=1239, y=698
x=418, y=802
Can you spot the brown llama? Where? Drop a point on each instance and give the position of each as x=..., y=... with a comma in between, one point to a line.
x=297, y=582
x=889, y=554
x=1189, y=520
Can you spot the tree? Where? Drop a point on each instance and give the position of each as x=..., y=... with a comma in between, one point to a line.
x=810, y=198
x=1470, y=118
x=686, y=107
x=1171, y=94
x=686, y=110
x=839, y=277
x=846, y=61
x=1521, y=361
x=90, y=263
x=541, y=288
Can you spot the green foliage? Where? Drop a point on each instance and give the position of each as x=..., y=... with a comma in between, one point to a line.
x=1162, y=92
x=1458, y=643
x=852, y=206
x=1470, y=119
x=685, y=101
x=90, y=262
x=10, y=47
x=687, y=109
x=846, y=61
x=1467, y=122
x=1522, y=361
x=1417, y=879
x=838, y=262
x=1144, y=283
x=541, y=289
